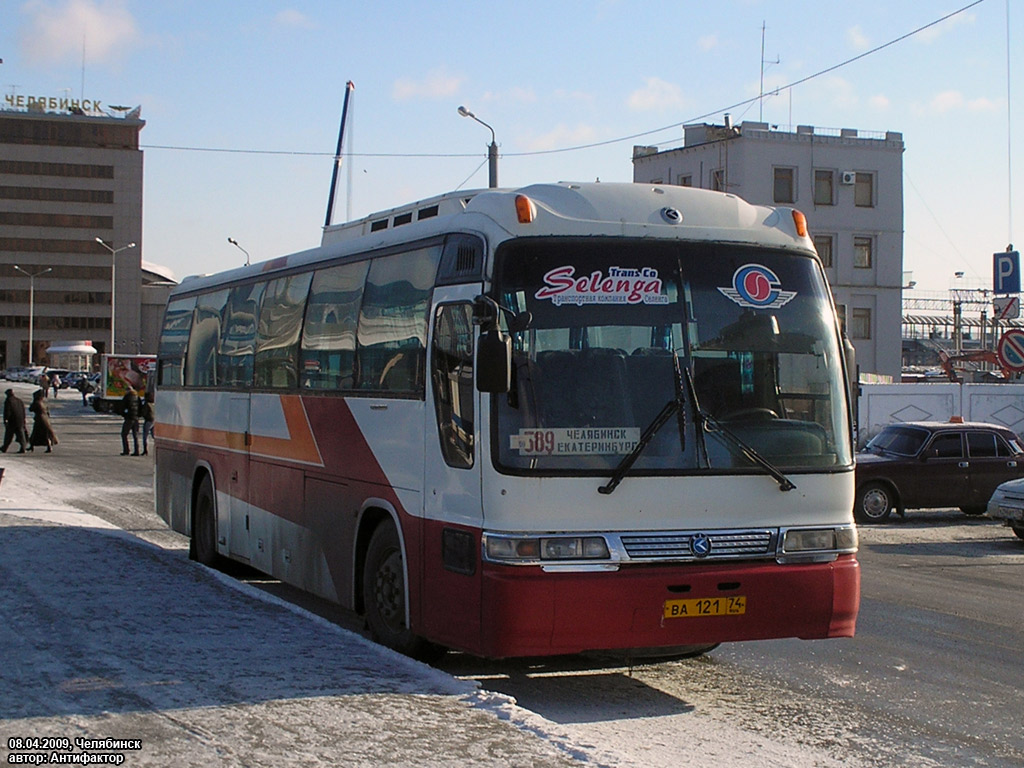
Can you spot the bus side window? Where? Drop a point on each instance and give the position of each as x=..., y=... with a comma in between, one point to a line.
x=204, y=340
x=174, y=341
x=238, y=336
x=452, y=377
x=328, y=352
x=392, y=334
x=277, y=339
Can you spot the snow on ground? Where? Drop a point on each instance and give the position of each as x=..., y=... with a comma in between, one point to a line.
x=105, y=635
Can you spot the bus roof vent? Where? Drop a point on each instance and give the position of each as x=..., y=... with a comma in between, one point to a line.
x=402, y=218
x=378, y=225
x=462, y=260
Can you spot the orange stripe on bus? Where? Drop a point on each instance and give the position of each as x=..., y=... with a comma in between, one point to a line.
x=300, y=445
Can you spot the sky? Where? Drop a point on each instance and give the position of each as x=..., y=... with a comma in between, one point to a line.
x=242, y=103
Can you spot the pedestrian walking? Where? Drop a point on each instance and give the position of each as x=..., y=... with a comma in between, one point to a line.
x=86, y=387
x=130, y=410
x=55, y=383
x=14, y=422
x=148, y=419
x=44, y=382
x=42, y=431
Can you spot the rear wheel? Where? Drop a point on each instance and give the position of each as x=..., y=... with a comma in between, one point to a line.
x=973, y=511
x=385, y=598
x=1019, y=530
x=203, y=545
x=874, y=503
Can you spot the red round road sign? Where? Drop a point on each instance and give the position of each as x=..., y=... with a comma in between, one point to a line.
x=1010, y=350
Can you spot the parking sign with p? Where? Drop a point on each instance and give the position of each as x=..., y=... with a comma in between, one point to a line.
x=1006, y=272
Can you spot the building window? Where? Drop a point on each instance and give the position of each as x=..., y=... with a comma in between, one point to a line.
x=864, y=190
x=685, y=181
x=785, y=185
x=860, y=323
x=823, y=187
x=718, y=180
x=823, y=245
x=862, y=247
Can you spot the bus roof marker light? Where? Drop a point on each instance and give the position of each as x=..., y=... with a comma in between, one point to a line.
x=526, y=211
x=801, y=223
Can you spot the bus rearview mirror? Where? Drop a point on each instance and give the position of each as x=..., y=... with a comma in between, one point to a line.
x=494, y=362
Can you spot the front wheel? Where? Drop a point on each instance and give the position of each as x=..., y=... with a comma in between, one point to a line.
x=1019, y=530
x=203, y=544
x=385, y=598
x=874, y=503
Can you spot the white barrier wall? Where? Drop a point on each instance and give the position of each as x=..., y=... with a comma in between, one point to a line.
x=882, y=404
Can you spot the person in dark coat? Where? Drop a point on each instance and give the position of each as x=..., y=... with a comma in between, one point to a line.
x=130, y=410
x=148, y=419
x=42, y=432
x=14, y=422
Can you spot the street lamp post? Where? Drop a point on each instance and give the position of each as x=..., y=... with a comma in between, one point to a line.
x=235, y=243
x=32, y=304
x=113, y=283
x=492, y=150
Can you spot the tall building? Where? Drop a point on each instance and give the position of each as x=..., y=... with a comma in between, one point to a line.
x=849, y=183
x=71, y=172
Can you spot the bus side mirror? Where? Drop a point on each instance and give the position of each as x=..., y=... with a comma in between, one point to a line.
x=494, y=362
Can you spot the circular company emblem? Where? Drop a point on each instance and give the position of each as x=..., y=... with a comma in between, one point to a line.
x=757, y=284
x=700, y=545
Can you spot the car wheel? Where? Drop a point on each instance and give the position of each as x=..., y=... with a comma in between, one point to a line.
x=874, y=503
x=1019, y=530
x=973, y=511
x=203, y=544
x=385, y=598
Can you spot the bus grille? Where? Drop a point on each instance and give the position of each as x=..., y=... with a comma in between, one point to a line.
x=676, y=546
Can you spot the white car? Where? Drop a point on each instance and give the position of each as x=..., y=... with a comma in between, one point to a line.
x=1007, y=504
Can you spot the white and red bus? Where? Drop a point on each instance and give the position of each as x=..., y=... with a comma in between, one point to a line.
x=559, y=419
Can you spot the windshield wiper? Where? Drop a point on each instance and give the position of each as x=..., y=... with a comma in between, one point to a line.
x=673, y=406
x=705, y=419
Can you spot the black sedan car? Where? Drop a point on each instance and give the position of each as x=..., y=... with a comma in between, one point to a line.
x=915, y=465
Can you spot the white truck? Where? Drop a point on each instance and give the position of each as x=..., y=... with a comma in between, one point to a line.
x=117, y=373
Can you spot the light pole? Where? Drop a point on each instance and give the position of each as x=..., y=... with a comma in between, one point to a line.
x=113, y=283
x=492, y=150
x=32, y=304
x=235, y=243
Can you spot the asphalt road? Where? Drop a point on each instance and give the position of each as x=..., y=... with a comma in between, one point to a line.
x=934, y=677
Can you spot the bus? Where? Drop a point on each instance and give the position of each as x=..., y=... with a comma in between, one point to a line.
x=560, y=419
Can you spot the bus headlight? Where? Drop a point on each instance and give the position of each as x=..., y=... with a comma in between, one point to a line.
x=522, y=550
x=817, y=544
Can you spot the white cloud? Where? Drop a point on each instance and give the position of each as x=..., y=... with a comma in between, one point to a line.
x=880, y=101
x=932, y=34
x=437, y=84
x=517, y=95
x=290, y=17
x=707, y=42
x=657, y=94
x=857, y=39
x=57, y=30
x=562, y=136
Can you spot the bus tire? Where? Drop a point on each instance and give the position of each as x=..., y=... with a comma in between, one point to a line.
x=203, y=543
x=385, y=598
x=1018, y=531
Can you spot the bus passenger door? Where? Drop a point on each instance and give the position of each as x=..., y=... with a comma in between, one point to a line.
x=451, y=488
x=238, y=475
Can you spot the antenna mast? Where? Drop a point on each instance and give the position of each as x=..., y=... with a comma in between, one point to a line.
x=349, y=87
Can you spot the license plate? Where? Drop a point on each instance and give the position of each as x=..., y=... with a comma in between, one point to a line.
x=705, y=606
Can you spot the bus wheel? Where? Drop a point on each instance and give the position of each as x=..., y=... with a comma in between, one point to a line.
x=1019, y=531
x=203, y=546
x=384, y=596
x=874, y=503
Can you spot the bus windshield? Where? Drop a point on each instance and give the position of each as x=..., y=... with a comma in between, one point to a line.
x=751, y=329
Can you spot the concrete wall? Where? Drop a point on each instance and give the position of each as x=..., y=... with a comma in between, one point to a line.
x=882, y=404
